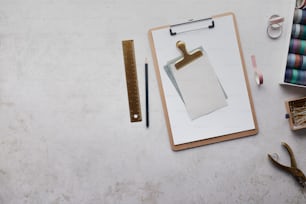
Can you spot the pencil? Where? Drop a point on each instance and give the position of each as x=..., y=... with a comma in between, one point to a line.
x=147, y=92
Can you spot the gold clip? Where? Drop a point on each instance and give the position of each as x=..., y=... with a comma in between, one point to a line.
x=187, y=57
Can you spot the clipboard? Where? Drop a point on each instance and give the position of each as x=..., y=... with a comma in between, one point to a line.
x=219, y=37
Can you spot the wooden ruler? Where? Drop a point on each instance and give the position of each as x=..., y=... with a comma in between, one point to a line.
x=131, y=80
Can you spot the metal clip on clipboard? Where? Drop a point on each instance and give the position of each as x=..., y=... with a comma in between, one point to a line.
x=187, y=57
x=191, y=25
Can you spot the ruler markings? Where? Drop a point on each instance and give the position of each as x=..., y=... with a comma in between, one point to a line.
x=131, y=80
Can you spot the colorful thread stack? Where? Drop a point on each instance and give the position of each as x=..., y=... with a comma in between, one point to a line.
x=299, y=31
x=299, y=16
x=296, y=60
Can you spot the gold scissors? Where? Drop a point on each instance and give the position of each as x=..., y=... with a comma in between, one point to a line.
x=293, y=170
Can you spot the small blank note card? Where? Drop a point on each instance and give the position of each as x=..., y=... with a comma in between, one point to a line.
x=197, y=85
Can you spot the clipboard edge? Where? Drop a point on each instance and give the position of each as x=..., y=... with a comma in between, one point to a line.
x=214, y=140
x=247, y=82
x=160, y=83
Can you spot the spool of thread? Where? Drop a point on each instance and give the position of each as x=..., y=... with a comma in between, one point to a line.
x=257, y=73
x=295, y=76
x=299, y=16
x=274, y=29
x=297, y=46
x=300, y=4
x=296, y=61
x=298, y=31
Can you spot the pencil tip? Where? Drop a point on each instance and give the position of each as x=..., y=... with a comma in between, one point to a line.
x=146, y=60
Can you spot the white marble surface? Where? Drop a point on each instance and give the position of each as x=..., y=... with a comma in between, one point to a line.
x=65, y=130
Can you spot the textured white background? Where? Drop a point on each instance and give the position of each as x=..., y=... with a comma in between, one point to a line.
x=65, y=135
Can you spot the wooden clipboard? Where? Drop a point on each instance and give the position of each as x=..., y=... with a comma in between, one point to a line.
x=223, y=31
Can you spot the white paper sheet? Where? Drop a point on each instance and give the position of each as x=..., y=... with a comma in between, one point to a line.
x=198, y=86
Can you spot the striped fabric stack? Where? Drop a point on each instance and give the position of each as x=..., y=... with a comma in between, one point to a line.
x=296, y=61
